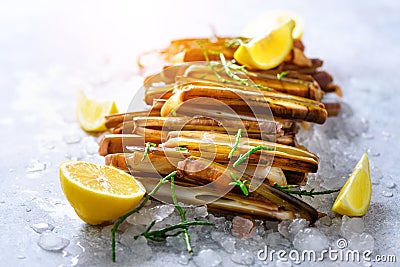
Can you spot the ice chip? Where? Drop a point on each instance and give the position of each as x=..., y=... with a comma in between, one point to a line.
x=276, y=239
x=72, y=138
x=351, y=226
x=52, y=242
x=42, y=227
x=243, y=257
x=176, y=242
x=36, y=166
x=207, y=257
x=200, y=212
x=296, y=226
x=361, y=242
x=310, y=239
x=283, y=228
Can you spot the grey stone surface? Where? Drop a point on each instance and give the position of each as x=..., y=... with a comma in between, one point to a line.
x=52, y=48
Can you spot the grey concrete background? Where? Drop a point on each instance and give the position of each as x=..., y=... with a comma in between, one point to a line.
x=48, y=49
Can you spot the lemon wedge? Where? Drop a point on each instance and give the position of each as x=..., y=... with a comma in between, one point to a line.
x=91, y=113
x=355, y=196
x=267, y=51
x=99, y=193
x=270, y=19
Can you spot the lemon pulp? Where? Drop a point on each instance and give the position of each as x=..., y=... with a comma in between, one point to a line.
x=99, y=193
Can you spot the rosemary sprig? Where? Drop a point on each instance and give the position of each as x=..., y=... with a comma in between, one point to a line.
x=182, y=214
x=227, y=68
x=279, y=76
x=300, y=193
x=146, y=149
x=230, y=73
x=162, y=234
x=235, y=146
x=241, y=184
x=248, y=153
x=124, y=217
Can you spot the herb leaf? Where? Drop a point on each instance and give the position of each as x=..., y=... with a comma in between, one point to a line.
x=182, y=214
x=279, y=76
x=241, y=184
x=248, y=153
x=124, y=217
x=146, y=149
x=235, y=146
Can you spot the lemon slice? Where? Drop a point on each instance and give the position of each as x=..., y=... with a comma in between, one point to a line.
x=91, y=113
x=270, y=19
x=99, y=193
x=267, y=51
x=355, y=196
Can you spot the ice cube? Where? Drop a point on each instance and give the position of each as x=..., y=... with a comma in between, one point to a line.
x=351, y=226
x=296, y=226
x=141, y=249
x=42, y=227
x=276, y=239
x=310, y=238
x=176, y=242
x=36, y=166
x=149, y=214
x=243, y=227
x=52, y=242
x=283, y=228
x=243, y=257
x=227, y=242
x=184, y=258
x=72, y=138
x=200, y=212
x=361, y=242
x=207, y=257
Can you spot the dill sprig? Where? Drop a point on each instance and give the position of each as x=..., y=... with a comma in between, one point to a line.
x=279, y=76
x=241, y=184
x=248, y=153
x=235, y=146
x=146, y=149
x=124, y=217
x=300, y=193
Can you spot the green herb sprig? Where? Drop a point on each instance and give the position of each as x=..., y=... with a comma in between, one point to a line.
x=146, y=149
x=182, y=214
x=248, y=153
x=179, y=148
x=235, y=146
x=124, y=217
x=227, y=66
x=301, y=193
x=241, y=184
x=162, y=234
x=279, y=76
